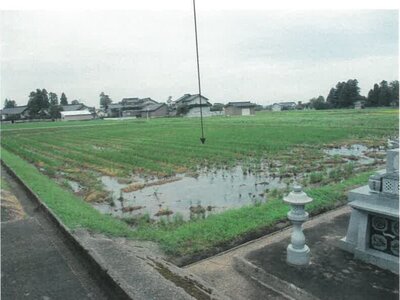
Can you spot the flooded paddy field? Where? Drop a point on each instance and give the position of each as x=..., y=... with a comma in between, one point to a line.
x=210, y=191
x=190, y=196
x=143, y=179
x=157, y=168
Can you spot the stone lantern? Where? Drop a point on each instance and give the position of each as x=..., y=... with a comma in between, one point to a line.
x=298, y=252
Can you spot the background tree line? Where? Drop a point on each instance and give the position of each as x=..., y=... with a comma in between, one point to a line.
x=346, y=94
x=42, y=105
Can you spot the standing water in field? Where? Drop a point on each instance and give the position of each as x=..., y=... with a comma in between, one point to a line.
x=202, y=195
x=211, y=191
x=357, y=152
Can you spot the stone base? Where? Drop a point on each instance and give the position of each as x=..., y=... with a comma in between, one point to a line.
x=298, y=257
x=357, y=240
x=377, y=258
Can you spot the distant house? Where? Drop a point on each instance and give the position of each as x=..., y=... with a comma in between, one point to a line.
x=75, y=115
x=244, y=108
x=190, y=105
x=114, y=110
x=359, y=105
x=15, y=113
x=155, y=110
x=136, y=107
x=75, y=107
x=138, y=101
x=283, y=106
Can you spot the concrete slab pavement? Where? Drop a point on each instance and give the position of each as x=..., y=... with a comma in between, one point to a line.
x=35, y=262
x=258, y=270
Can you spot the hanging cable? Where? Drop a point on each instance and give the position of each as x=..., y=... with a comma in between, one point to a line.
x=202, y=139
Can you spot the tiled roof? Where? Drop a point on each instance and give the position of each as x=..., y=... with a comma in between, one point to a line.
x=285, y=103
x=72, y=107
x=153, y=107
x=241, y=104
x=188, y=98
x=115, y=105
x=14, y=110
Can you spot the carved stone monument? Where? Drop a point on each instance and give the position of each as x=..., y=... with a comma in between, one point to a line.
x=373, y=232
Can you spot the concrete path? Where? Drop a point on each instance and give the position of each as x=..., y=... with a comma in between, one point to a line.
x=36, y=263
x=332, y=273
x=236, y=272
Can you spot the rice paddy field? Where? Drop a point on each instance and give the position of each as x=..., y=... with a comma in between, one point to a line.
x=132, y=170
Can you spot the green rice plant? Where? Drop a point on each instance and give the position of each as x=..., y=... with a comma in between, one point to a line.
x=348, y=169
x=178, y=218
x=336, y=174
x=316, y=177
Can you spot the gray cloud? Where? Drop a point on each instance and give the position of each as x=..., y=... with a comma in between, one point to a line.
x=263, y=56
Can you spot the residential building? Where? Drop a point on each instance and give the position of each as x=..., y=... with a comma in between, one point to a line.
x=136, y=107
x=189, y=106
x=283, y=106
x=15, y=113
x=75, y=107
x=75, y=115
x=359, y=104
x=243, y=108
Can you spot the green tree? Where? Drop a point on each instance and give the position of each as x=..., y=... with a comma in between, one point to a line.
x=373, y=96
x=345, y=94
x=9, y=103
x=75, y=102
x=34, y=103
x=38, y=103
x=394, y=91
x=332, y=98
x=55, y=111
x=53, y=98
x=217, y=107
x=182, y=109
x=319, y=103
x=384, y=94
x=105, y=100
x=63, y=99
x=44, y=99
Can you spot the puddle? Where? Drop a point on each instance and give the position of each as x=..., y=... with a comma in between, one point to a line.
x=354, y=152
x=206, y=194
x=75, y=186
x=209, y=191
x=98, y=148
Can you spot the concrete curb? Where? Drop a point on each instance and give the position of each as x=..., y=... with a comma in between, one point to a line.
x=284, y=288
x=112, y=287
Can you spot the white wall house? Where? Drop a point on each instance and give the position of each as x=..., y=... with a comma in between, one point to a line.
x=193, y=104
x=76, y=115
x=283, y=106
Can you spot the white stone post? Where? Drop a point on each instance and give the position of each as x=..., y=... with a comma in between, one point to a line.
x=298, y=252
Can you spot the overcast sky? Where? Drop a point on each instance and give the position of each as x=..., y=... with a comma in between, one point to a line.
x=264, y=56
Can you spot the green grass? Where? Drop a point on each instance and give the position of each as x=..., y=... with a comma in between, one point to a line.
x=4, y=185
x=72, y=211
